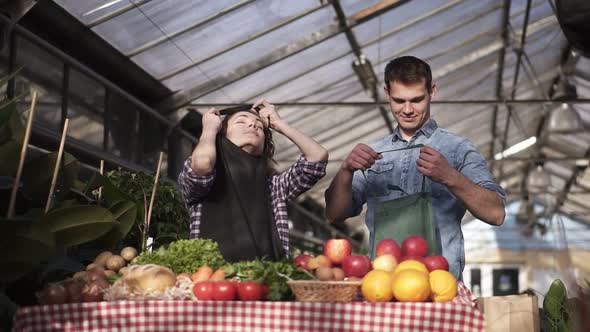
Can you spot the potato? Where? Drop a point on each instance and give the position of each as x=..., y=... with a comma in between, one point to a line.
x=324, y=273
x=102, y=258
x=128, y=253
x=115, y=263
x=109, y=273
x=338, y=273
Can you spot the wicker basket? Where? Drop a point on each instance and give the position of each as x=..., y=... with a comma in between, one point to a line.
x=324, y=291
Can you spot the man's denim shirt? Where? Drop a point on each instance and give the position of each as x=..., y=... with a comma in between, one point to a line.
x=397, y=170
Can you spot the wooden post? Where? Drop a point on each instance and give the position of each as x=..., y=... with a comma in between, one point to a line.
x=149, y=218
x=23, y=154
x=57, y=165
x=101, y=173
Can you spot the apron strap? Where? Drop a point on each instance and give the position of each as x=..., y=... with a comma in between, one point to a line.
x=416, y=146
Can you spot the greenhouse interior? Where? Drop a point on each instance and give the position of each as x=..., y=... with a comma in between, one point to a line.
x=156, y=151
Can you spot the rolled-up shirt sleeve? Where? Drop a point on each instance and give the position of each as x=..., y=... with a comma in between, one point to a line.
x=473, y=166
x=194, y=187
x=299, y=178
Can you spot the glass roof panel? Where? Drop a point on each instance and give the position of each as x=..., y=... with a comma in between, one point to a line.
x=155, y=20
x=223, y=33
x=90, y=10
x=250, y=52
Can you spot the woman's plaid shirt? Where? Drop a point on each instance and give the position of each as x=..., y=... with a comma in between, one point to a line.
x=284, y=187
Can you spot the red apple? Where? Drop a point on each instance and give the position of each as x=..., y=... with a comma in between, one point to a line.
x=301, y=261
x=435, y=263
x=356, y=266
x=337, y=249
x=388, y=246
x=415, y=246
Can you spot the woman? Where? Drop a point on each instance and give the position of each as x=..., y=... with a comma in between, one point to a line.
x=232, y=195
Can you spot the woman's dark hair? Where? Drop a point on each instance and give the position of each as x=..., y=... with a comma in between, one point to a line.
x=269, y=147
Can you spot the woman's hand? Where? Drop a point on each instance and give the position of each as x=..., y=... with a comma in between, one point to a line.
x=269, y=115
x=211, y=122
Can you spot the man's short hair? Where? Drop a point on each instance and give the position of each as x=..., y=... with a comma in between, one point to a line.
x=408, y=70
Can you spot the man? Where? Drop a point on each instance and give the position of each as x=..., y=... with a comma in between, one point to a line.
x=228, y=185
x=458, y=173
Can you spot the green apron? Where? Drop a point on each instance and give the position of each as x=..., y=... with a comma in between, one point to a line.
x=405, y=216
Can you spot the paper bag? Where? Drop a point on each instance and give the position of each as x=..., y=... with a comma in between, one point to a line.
x=517, y=313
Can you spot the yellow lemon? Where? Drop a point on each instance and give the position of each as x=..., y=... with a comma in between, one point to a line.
x=411, y=286
x=376, y=286
x=411, y=265
x=443, y=286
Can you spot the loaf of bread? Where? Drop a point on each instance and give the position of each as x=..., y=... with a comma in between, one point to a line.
x=147, y=278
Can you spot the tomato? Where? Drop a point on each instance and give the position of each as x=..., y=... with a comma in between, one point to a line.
x=250, y=291
x=203, y=290
x=265, y=291
x=224, y=291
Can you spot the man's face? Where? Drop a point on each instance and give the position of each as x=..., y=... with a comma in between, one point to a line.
x=410, y=105
x=246, y=130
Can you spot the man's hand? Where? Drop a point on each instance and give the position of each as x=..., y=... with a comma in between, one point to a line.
x=211, y=121
x=361, y=157
x=434, y=165
x=269, y=115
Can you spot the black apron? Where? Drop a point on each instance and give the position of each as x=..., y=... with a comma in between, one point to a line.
x=237, y=211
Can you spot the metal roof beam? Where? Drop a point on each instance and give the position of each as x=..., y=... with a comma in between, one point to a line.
x=520, y=50
x=436, y=102
x=500, y=74
x=371, y=84
x=537, y=26
x=183, y=98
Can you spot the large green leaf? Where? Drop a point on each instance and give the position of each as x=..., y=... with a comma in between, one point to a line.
x=37, y=174
x=7, y=110
x=125, y=212
x=110, y=194
x=24, y=244
x=10, y=155
x=75, y=225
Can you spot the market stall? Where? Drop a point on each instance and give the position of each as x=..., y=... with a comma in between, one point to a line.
x=459, y=315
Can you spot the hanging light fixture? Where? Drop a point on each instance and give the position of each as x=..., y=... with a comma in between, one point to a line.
x=525, y=211
x=564, y=119
x=538, y=180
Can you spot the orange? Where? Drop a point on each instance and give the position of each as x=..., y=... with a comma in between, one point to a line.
x=376, y=286
x=411, y=286
x=443, y=286
x=410, y=265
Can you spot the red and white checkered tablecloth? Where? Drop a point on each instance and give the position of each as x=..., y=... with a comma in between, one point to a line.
x=459, y=315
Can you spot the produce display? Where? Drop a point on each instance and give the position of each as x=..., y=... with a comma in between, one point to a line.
x=89, y=285
x=403, y=274
x=196, y=270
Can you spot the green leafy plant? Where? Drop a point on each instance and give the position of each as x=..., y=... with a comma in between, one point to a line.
x=184, y=255
x=32, y=238
x=169, y=221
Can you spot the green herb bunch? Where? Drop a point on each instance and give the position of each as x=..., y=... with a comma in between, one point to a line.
x=185, y=256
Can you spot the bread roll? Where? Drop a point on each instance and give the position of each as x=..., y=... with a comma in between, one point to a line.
x=148, y=278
